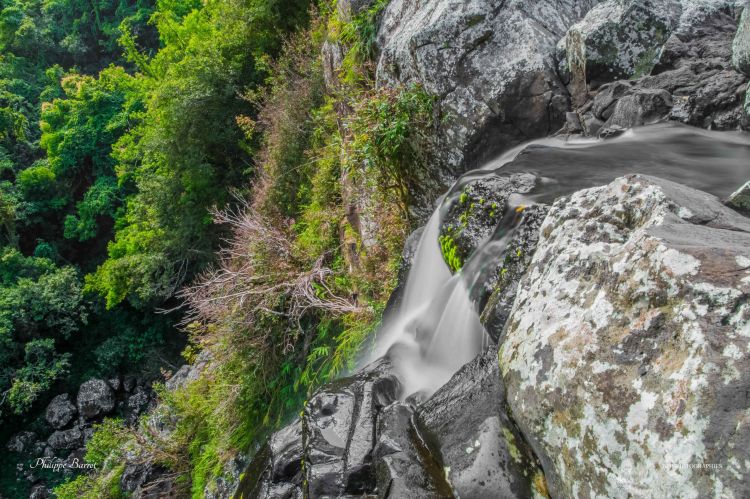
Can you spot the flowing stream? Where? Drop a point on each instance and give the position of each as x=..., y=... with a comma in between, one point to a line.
x=436, y=329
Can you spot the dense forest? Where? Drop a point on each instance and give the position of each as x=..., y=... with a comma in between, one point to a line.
x=139, y=139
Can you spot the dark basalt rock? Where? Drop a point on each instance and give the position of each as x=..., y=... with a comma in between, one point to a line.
x=146, y=480
x=404, y=466
x=334, y=438
x=60, y=411
x=66, y=439
x=95, y=398
x=22, y=442
x=466, y=427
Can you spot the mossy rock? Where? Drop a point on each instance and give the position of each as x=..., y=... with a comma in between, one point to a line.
x=476, y=211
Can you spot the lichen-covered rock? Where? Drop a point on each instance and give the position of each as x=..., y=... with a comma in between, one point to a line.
x=628, y=344
x=60, y=411
x=616, y=39
x=467, y=429
x=95, y=398
x=489, y=62
x=692, y=64
x=695, y=67
x=740, y=199
x=475, y=211
x=741, y=44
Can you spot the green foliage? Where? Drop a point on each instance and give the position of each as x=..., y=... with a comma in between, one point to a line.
x=450, y=252
x=390, y=135
x=42, y=366
x=40, y=305
x=178, y=169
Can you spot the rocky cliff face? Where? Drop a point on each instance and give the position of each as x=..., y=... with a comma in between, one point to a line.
x=620, y=312
x=491, y=64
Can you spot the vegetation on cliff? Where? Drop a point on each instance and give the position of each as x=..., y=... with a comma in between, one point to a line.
x=139, y=140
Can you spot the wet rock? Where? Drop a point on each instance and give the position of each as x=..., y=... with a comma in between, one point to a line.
x=60, y=411
x=628, y=344
x=466, y=426
x=740, y=199
x=475, y=213
x=334, y=438
x=95, y=398
x=338, y=424
x=488, y=103
x=22, y=442
x=403, y=466
x=66, y=439
x=276, y=470
x=741, y=44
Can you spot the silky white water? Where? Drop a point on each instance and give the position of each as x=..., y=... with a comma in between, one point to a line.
x=436, y=329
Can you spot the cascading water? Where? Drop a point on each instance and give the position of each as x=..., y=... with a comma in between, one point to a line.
x=437, y=330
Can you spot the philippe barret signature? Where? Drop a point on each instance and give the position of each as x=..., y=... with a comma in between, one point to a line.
x=56, y=464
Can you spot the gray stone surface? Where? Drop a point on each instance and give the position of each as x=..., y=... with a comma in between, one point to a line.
x=741, y=43
x=95, y=398
x=626, y=353
x=467, y=429
x=60, y=411
x=66, y=439
x=491, y=64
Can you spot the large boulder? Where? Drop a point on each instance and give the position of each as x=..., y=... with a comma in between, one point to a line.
x=66, y=439
x=22, y=442
x=403, y=467
x=60, y=411
x=618, y=39
x=690, y=78
x=489, y=62
x=466, y=427
x=95, y=398
x=628, y=344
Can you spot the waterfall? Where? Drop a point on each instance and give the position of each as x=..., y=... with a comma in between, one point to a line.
x=437, y=330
